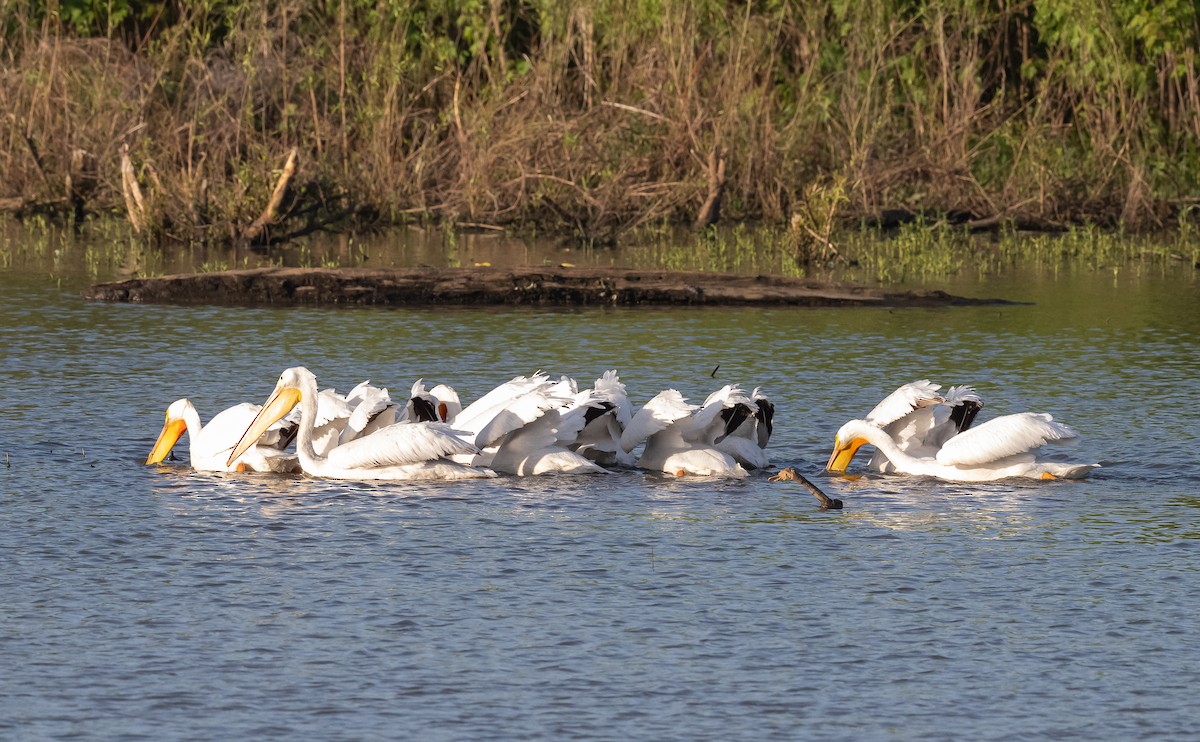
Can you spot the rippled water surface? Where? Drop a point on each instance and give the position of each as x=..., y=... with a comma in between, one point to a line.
x=152, y=602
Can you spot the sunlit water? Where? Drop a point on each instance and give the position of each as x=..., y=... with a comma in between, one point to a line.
x=152, y=602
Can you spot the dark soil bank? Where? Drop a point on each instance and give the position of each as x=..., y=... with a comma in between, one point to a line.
x=502, y=286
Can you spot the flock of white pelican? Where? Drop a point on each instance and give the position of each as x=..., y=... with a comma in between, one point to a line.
x=537, y=425
x=527, y=426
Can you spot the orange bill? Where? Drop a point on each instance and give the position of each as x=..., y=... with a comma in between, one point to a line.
x=280, y=404
x=171, y=433
x=843, y=452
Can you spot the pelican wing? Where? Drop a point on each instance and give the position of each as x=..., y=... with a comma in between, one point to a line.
x=571, y=420
x=610, y=389
x=707, y=424
x=331, y=406
x=600, y=440
x=914, y=428
x=564, y=387
x=369, y=402
x=903, y=401
x=766, y=418
x=1002, y=437
x=535, y=449
x=745, y=451
x=222, y=433
x=400, y=444
x=364, y=390
x=516, y=414
x=421, y=406
x=665, y=408
x=957, y=395
x=948, y=419
x=479, y=413
x=966, y=405
x=537, y=434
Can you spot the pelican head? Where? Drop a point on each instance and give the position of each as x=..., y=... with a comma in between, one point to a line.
x=448, y=402
x=846, y=443
x=286, y=396
x=173, y=429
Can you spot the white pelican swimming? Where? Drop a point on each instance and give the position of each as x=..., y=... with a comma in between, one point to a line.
x=499, y=408
x=397, y=452
x=997, y=449
x=422, y=406
x=748, y=428
x=446, y=401
x=504, y=409
x=542, y=446
x=210, y=444
x=920, y=420
x=526, y=427
x=604, y=422
x=332, y=414
x=680, y=437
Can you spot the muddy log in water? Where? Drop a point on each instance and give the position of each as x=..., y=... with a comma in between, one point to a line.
x=538, y=286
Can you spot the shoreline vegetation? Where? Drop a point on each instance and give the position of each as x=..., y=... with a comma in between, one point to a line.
x=241, y=122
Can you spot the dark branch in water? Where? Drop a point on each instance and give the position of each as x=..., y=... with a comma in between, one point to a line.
x=791, y=475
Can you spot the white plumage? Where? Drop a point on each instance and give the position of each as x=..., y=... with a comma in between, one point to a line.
x=527, y=426
x=748, y=427
x=932, y=438
x=681, y=438
x=396, y=452
x=209, y=445
x=605, y=422
x=920, y=420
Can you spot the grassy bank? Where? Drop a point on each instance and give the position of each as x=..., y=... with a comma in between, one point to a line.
x=598, y=116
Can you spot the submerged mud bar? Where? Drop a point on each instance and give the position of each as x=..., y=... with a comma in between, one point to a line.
x=537, y=286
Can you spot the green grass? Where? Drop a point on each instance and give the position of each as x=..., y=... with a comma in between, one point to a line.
x=915, y=253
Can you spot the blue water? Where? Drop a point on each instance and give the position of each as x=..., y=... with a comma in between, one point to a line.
x=155, y=603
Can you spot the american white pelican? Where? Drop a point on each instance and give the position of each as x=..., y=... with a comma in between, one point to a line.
x=332, y=414
x=504, y=409
x=997, y=449
x=422, y=407
x=447, y=402
x=680, y=437
x=209, y=445
x=920, y=420
x=396, y=452
x=493, y=408
x=604, y=422
x=541, y=446
x=527, y=425
x=748, y=428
